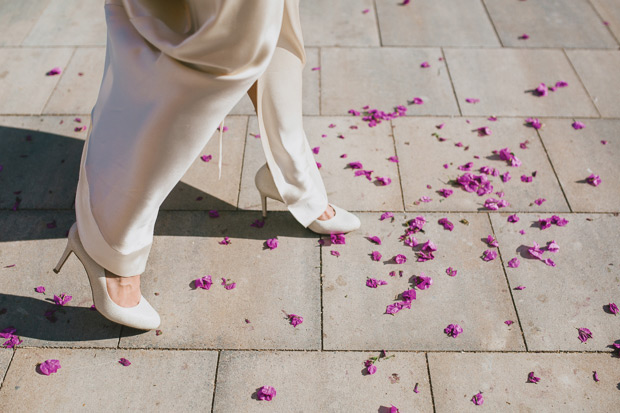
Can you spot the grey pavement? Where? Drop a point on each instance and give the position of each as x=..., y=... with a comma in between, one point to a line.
x=216, y=348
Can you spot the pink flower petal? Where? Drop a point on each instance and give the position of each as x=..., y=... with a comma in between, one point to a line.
x=451, y=271
x=374, y=283
x=40, y=289
x=578, y=125
x=508, y=322
x=531, y=378
x=613, y=308
x=334, y=253
x=124, y=362
x=514, y=263
x=584, y=334
x=266, y=393
x=477, y=399
x=453, y=330
x=49, y=366
x=53, y=72
x=593, y=180
x=203, y=282
x=295, y=319
x=337, y=238
x=386, y=215
x=272, y=243
x=400, y=259
x=228, y=286
x=376, y=255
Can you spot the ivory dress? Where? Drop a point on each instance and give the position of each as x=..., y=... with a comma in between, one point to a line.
x=173, y=71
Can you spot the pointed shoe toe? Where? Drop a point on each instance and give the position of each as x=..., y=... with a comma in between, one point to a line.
x=343, y=221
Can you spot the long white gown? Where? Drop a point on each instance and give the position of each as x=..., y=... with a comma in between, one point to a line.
x=173, y=71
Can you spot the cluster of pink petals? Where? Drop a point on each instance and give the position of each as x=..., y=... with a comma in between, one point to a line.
x=491, y=241
x=417, y=224
x=396, y=307
x=12, y=339
x=475, y=183
x=514, y=263
x=337, y=238
x=228, y=286
x=477, y=399
x=295, y=319
x=55, y=71
x=124, y=362
x=554, y=219
x=370, y=367
x=272, y=243
x=525, y=178
x=584, y=334
x=445, y=192
x=374, y=283
x=489, y=170
x=451, y=271
x=422, y=282
x=204, y=282
x=453, y=330
x=258, y=223
x=534, y=123
x=383, y=180
x=49, y=366
x=266, y=393
x=531, y=378
x=426, y=254
x=62, y=299
x=593, y=180
x=446, y=224
x=495, y=204
x=513, y=218
x=374, y=116
x=225, y=241
x=375, y=239
x=578, y=125
x=506, y=155
x=489, y=255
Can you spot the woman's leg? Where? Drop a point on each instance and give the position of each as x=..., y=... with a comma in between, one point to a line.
x=277, y=97
x=170, y=78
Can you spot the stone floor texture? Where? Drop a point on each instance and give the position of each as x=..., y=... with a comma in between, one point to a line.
x=493, y=217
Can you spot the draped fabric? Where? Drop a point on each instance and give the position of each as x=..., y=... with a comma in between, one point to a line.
x=173, y=70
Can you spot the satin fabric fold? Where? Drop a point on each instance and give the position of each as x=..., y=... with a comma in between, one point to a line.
x=173, y=70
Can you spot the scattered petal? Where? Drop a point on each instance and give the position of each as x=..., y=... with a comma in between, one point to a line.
x=593, y=180
x=578, y=125
x=451, y=271
x=62, y=299
x=40, y=289
x=204, y=282
x=514, y=263
x=295, y=319
x=508, y=322
x=477, y=399
x=334, y=253
x=266, y=393
x=375, y=239
x=453, y=330
x=49, y=366
x=124, y=361
x=613, y=308
x=513, y=218
x=531, y=378
x=584, y=334
x=376, y=255
x=272, y=243
x=374, y=283
x=206, y=158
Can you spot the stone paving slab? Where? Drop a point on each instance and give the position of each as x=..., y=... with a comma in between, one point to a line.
x=477, y=298
x=370, y=146
x=200, y=188
x=610, y=12
x=321, y=382
x=422, y=157
x=576, y=154
x=95, y=381
x=504, y=81
x=18, y=18
x=573, y=294
x=5, y=359
x=310, y=86
x=384, y=78
x=339, y=23
x=78, y=87
x=42, y=172
x=69, y=23
x=269, y=283
x=549, y=23
x=599, y=72
x=566, y=382
x=424, y=23
x=34, y=249
x=23, y=78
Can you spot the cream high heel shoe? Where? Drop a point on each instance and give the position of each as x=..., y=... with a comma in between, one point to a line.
x=142, y=316
x=342, y=221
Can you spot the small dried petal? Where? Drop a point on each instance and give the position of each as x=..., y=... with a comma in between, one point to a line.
x=337, y=238
x=514, y=263
x=272, y=243
x=400, y=259
x=446, y=224
x=477, y=399
x=584, y=334
x=593, y=180
x=375, y=239
x=374, y=283
x=124, y=362
x=451, y=271
x=613, y=308
x=376, y=255
x=266, y=393
x=453, y=330
x=295, y=319
x=513, y=218
x=531, y=378
x=578, y=125
x=508, y=322
x=204, y=282
x=49, y=366
x=40, y=289
x=489, y=255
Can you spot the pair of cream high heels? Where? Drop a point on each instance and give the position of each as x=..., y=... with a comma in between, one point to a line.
x=143, y=316
x=343, y=221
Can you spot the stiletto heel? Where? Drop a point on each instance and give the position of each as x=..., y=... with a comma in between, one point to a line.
x=63, y=259
x=142, y=316
x=263, y=199
x=342, y=221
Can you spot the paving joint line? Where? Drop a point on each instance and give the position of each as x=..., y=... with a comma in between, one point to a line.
x=430, y=382
x=499, y=39
x=6, y=372
x=554, y=171
x=514, y=304
x=378, y=350
x=374, y=3
x=217, y=366
x=583, y=85
x=456, y=98
x=245, y=144
x=400, y=179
